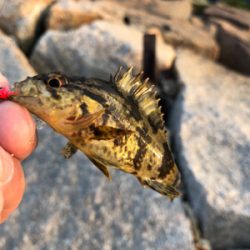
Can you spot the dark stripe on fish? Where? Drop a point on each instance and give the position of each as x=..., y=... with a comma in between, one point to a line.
x=95, y=96
x=112, y=111
x=144, y=134
x=139, y=156
x=151, y=120
x=134, y=108
x=84, y=108
x=105, y=118
x=167, y=162
x=53, y=93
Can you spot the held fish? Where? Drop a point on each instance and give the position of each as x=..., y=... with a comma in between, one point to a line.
x=115, y=123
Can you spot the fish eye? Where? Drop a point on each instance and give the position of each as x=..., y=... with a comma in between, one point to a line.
x=55, y=82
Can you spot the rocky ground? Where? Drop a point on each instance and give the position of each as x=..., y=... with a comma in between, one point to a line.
x=205, y=66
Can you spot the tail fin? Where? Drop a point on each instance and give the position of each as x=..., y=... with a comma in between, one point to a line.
x=164, y=189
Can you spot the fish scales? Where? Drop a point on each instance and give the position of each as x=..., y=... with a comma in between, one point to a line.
x=116, y=123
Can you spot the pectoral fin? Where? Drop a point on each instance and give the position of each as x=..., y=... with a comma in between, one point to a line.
x=101, y=167
x=68, y=150
x=108, y=133
x=83, y=121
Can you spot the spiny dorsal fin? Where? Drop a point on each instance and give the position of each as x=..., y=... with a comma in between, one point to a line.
x=145, y=94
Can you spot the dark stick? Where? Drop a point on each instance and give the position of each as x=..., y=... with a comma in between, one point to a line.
x=149, y=56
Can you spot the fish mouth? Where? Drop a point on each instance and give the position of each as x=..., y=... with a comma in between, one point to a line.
x=17, y=88
x=21, y=98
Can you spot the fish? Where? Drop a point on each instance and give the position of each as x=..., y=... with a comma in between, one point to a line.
x=116, y=123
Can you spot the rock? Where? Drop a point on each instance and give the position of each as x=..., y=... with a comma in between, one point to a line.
x=68, y=14
x=13, y=63
x=69, y=204
x=20, y=19
x=197, y=21
x=238, y=17
x=97, y=49
x=184, y=34
x=179, y=9
x=131, y=13
x=179, y=33
x=234, y=46
x=210, y=128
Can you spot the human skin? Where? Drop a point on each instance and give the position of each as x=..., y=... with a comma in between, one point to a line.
x=17, y=141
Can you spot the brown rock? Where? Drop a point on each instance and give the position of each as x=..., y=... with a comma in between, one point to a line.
x=234, y=46
x=68, y=14
x=236, y=16
x=19, y=18
x=180, y=9
x=183, y=34
x=179, y=33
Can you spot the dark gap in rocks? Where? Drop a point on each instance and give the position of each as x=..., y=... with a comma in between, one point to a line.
x=126, y=20
x=169, y=88
x=40, y=28
x=170, y=85
x=166, y=27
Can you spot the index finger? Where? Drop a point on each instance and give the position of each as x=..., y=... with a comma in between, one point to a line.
x=17, y=129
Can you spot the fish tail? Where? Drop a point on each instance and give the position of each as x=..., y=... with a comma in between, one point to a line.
x=162, y=188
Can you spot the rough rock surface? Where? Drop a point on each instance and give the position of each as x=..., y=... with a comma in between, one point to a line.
x=238, y=17
x=196, y=37
x=71, y=205
x=68, y=14
x=234, y=46
x=186, y=35
x=19, y=18
x=13, y=63
x=168, y=8
x=97, y=50
x=210, y=126
x=177, y=32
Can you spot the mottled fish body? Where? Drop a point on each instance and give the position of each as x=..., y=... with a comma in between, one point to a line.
x=116, y=123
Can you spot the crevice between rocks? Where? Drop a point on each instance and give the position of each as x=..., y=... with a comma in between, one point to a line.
x=41, y=28
x=170, y=88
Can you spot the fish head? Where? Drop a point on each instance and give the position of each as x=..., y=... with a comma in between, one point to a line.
x=51, y=97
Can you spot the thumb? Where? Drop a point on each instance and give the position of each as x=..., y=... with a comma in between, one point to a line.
x=6, y=167
x=12, y=184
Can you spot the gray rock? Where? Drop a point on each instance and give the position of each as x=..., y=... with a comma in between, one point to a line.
x=69, y=204
x=13, y=63
x=97, y=49
x=210, y=126
x=20, y=19
x=234, y=46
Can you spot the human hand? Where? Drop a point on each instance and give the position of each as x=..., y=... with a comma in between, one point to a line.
x=17, y=141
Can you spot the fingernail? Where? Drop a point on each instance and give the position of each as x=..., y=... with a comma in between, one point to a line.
x=6, y=166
